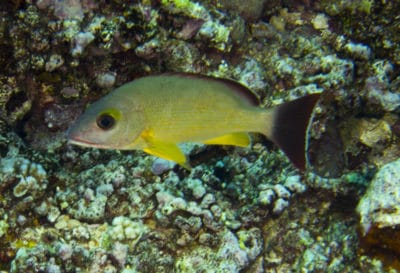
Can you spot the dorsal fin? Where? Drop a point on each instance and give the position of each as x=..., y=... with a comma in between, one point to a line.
x=239, y=89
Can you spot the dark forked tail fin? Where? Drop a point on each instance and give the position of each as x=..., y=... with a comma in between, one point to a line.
x=290, y=128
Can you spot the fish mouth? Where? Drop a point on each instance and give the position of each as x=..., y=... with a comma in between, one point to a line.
x=83, y=142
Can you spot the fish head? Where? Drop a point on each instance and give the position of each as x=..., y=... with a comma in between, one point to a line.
x=108, y=124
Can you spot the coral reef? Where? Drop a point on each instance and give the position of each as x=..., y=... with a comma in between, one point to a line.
x=67, y=209
x=379, y=208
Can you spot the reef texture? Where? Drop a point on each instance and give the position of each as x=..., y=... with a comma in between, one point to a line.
x=68, y=209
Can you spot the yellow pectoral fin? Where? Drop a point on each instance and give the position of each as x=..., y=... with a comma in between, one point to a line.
x=236, y=139
x=167, y=151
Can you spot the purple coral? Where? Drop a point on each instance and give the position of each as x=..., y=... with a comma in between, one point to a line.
x=68, y=9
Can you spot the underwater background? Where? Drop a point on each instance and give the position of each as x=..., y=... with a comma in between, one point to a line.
x=69, y=209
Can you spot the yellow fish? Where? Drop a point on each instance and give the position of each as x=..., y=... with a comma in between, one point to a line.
x=156, y=113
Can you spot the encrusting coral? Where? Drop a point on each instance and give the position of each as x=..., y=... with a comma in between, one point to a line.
x=67, y=209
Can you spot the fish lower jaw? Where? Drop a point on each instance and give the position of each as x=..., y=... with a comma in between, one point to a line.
x=83, y=143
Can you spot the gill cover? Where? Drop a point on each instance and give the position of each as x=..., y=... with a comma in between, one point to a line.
x=111, y=122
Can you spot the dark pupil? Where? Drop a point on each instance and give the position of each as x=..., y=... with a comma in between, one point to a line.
x=105, y=121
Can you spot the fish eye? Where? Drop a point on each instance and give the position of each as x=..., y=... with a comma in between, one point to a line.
x=105, y=121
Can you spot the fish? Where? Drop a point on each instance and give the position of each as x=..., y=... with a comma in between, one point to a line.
x=157, y=113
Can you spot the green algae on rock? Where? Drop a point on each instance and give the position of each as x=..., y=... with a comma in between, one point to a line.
x=57, y=56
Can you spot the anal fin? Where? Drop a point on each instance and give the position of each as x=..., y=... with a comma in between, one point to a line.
x=236, y=139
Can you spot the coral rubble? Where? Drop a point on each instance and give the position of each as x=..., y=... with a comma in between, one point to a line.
x=67, y=209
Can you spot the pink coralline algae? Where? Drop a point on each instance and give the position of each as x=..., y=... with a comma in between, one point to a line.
x=68, y=9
